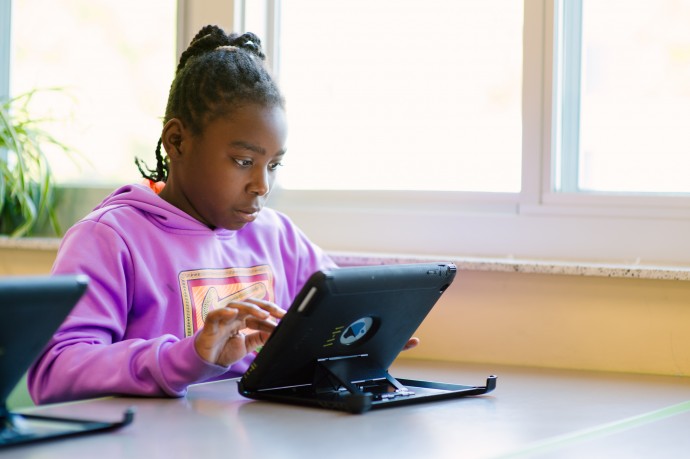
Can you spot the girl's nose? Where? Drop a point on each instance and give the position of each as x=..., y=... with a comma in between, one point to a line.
x=259, y=184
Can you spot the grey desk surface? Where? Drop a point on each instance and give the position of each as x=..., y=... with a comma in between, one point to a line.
x=532, y=413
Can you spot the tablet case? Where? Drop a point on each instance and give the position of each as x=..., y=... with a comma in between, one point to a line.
x=32, y=309
x=344, y=329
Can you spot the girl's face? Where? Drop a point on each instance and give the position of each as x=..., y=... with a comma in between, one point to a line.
x=223, y=176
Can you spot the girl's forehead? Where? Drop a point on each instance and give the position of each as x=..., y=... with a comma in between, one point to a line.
x=250, y=123
x=249, y=113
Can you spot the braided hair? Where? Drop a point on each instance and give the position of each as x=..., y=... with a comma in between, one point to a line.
x=216, y=74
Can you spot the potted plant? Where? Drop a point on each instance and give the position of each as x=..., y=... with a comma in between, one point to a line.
x=27, y=185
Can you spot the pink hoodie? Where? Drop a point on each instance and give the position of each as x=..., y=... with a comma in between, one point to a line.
x=155, y=272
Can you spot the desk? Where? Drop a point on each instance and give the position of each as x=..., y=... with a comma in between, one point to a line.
x=532, y=413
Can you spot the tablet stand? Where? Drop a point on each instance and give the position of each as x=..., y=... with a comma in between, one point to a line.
x=365, y=382
x=16, y=428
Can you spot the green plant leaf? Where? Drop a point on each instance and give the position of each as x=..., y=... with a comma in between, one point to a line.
x=27, y=186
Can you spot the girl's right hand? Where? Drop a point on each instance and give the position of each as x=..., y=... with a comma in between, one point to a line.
x=224, y=338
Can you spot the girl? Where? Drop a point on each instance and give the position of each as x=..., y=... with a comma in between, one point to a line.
x=184, y=283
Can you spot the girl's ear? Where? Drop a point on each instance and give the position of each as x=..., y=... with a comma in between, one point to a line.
x=174, y=135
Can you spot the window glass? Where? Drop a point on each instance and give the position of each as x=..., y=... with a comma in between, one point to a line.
x=398, y=94
x=114, y=62
x=635, y=96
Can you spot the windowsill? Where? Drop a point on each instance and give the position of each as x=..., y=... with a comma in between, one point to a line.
x=529, y=266
x=578, y=268
x=30, y=243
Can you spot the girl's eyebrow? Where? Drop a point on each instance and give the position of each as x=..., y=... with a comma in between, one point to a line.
x=255, y=148
x=248, y=146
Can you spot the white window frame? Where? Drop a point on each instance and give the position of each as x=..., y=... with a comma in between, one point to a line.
x=5, y=34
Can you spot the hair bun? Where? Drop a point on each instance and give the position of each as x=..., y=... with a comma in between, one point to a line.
x=249, y=42
x=212, y=37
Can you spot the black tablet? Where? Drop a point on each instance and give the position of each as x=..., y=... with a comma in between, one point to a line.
x=345, y=328
x=32, y=308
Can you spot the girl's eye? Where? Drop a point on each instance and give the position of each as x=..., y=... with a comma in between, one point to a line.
x=243, y=162
x=274, y=166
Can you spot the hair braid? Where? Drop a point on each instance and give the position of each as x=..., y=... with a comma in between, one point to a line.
x=160, y=174
x=216, y=74
x=207, y=39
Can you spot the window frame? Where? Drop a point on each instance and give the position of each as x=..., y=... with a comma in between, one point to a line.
x=5, y=35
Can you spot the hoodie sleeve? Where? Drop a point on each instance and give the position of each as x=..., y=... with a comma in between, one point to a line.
x=88, y=355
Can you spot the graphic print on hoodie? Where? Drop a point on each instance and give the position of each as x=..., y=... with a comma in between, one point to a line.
x=207, y=289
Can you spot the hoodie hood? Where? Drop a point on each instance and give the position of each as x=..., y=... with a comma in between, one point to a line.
x=156, y=209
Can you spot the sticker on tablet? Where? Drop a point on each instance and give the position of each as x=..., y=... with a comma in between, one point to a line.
x=356, y=331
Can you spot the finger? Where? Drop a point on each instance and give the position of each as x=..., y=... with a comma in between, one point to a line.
x=253, y=341
x=411, y=343
x=272, y=308
x=211, y=339
x=215, y=317
x=260, y=325
x=246, y=308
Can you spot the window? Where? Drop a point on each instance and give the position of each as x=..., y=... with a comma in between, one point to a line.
x=625, y=96
x=571, y=200
x=390, y=95
x=114, y=62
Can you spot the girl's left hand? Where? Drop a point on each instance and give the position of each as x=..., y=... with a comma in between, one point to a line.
x=412, y=342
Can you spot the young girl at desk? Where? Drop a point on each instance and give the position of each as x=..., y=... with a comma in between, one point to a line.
x=185, y=283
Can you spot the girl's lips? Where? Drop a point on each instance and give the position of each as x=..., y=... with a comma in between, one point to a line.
x=247, y=215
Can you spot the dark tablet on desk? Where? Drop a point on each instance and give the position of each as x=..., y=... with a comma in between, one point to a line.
x=345, y=328
x=32, y=308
